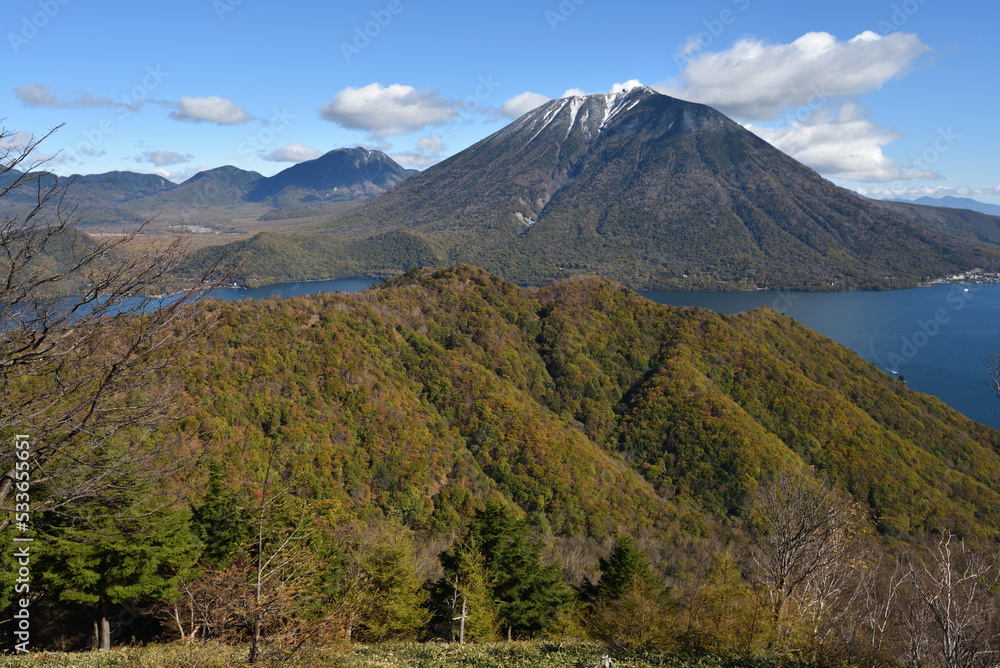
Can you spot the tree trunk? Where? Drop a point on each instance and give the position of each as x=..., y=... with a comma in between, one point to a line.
x=451, y=616
x=180, y=625
x=255, y=640
x=105, y=633
x=461, y=624
x=102, y=629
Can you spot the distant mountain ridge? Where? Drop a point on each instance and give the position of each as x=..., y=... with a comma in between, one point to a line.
x=343, y=174
x=643, y=188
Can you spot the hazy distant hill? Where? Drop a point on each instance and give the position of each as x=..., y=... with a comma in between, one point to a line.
x=649, y=190
x=960, y=203
x=964, y=223
x=118, y=187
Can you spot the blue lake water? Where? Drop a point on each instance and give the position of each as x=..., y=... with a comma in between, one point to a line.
x=936, y=337
x=296, y=289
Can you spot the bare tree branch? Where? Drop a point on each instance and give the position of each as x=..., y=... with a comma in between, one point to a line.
x=801, y=534
x=90, y=345
x=955, y=583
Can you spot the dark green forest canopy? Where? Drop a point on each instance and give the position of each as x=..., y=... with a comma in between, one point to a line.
x=588, y=407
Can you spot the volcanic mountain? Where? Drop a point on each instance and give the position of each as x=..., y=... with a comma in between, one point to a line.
x=655, y=192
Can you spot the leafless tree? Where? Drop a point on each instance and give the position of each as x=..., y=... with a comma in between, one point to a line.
x=956, y=585
x=828, y=600
x=89, y=354
x=915, y=625
x=279, y=562
x=880, y=590
x=801, y=534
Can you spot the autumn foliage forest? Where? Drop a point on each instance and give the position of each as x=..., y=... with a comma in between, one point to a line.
x=448, y=456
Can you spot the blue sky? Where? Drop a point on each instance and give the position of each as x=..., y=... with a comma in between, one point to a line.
x=889, y=98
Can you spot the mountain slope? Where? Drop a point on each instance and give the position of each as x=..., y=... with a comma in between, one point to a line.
x=95, y=199
x=587, y=406
x=117, y=187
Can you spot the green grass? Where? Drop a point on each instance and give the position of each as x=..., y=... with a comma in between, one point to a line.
x=389, y=655
x=508, y=655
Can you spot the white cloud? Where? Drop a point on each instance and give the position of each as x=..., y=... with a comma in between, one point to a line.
x=816, y=79
x=212, y=109
x=756, y=81
x=929, y=191
x=162, y=158
x=15, y=140
x=40, y=95
x=429, y=149
x=519, y=105
x=90, y=152
x=293, y=153
x=385, y=111
x=844, y=144
x=182, y=175
x=45, y=96
x=628, y=85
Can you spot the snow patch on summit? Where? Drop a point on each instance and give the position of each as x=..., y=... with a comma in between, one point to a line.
x=617, y=102
x=584, y=111
x=575, y=103
x=550, y=116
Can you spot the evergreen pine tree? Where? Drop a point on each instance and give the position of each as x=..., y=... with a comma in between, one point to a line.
x=527, y=594
x=222, y=522
x=397, y=596
x=475, y=589
x=627, y=610
x=104, y=562
x=625, y=566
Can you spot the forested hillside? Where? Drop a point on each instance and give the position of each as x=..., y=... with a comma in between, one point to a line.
x=587, y=406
